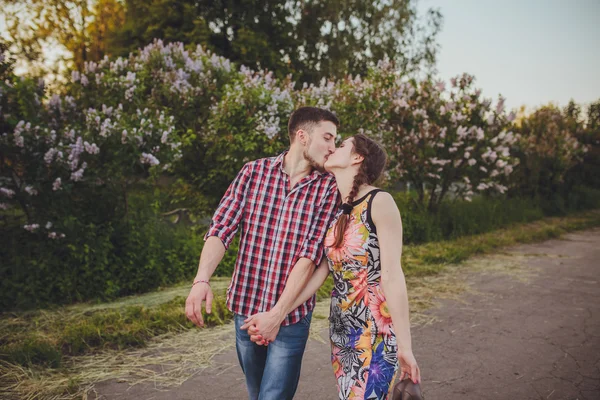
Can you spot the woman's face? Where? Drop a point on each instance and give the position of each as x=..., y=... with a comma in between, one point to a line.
x=343, y=157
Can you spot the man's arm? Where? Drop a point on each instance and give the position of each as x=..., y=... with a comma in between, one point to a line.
x=212, y=254
x=268, y=323
x=221, y=232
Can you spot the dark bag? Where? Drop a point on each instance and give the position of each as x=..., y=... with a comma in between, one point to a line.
x=406, y=390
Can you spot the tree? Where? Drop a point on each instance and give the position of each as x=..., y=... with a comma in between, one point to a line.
x=308, y=39
x=78, y=26
x=593, y=115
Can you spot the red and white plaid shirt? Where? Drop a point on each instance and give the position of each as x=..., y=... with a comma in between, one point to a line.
x=279, y=226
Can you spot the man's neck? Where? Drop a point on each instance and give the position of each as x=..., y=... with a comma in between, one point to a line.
x=295, y=165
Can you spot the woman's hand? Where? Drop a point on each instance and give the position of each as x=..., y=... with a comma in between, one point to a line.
x=408, y=366
x=265, y=324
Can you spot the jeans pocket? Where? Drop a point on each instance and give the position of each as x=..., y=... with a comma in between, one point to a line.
x=306, y=319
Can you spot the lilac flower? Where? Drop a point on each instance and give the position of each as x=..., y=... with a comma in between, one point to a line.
x=461, y=132
x=76, y=150
x=91, y=148
x=75, y=76
x=78, y=175
x=49, y=156
x=500, y=105
x=84, y=80
x=500, y=188
x=31, y=227
x=48, y=225
x=57, y=184
x=54, y=102
x=29, y=189
x=472, y=162
x=7, y=192
x=164, y=137
x=480, y=134
x=4, y=206
x=147, y=158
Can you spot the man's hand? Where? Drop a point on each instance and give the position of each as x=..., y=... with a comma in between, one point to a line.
x=193, y=305
x=266, y=324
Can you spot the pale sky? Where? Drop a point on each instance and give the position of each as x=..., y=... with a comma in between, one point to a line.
x=530, y=51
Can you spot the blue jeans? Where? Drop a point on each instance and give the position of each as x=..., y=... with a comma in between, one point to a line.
x=272, y=372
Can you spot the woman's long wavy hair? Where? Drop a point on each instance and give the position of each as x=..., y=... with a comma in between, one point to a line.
x=373, y=165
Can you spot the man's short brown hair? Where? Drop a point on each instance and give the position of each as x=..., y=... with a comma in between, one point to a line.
x=307, y=117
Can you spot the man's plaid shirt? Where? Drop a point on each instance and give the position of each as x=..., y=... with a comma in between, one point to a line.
x=279, y=226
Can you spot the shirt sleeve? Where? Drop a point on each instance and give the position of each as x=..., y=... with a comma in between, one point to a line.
x=227, y=217
x=313, y=245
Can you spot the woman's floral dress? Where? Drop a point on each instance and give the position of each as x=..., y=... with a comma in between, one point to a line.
x=363, y=342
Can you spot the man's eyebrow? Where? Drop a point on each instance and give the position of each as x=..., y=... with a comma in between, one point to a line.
x=330, y=134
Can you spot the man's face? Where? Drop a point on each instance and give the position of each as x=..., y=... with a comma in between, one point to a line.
x=320, y=144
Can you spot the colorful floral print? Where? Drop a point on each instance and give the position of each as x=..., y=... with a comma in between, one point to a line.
x=363, y=342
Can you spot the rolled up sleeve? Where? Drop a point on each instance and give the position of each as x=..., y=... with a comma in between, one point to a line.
x=312, y=247
x=227, y=217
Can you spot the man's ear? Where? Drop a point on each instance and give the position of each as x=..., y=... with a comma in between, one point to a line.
x=302, y=136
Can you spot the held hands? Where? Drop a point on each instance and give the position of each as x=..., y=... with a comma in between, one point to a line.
x=200, y=292
x=408, y=366
x=262, y=327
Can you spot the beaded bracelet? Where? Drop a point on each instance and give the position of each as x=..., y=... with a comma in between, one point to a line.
x=201, y=281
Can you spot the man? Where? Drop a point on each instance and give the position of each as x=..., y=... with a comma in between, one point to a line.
x=284, y=204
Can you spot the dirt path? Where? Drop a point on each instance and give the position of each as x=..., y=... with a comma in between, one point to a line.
x=533, y=333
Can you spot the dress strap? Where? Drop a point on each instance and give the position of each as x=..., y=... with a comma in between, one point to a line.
x=371, y=224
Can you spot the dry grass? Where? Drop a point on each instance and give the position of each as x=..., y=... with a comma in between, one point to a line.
x=170, y=359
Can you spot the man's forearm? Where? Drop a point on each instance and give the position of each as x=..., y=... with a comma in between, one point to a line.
x=299, y=277
x=212, y=254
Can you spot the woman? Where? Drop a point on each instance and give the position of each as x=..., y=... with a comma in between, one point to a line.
x=369, y=317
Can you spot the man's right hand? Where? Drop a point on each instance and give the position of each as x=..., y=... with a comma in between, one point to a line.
x=193, y=305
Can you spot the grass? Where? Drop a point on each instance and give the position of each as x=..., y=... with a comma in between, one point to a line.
x=43, y=343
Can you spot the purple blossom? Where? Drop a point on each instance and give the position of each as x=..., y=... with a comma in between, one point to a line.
x=78, y=175
x=29, y=189
x=7, y=192
x=31, y=227
x=91, y=148
x=76, y=150
x=57, y=185
x=147, y=158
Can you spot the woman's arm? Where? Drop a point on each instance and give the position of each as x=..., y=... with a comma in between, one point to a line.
x=386, y=218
